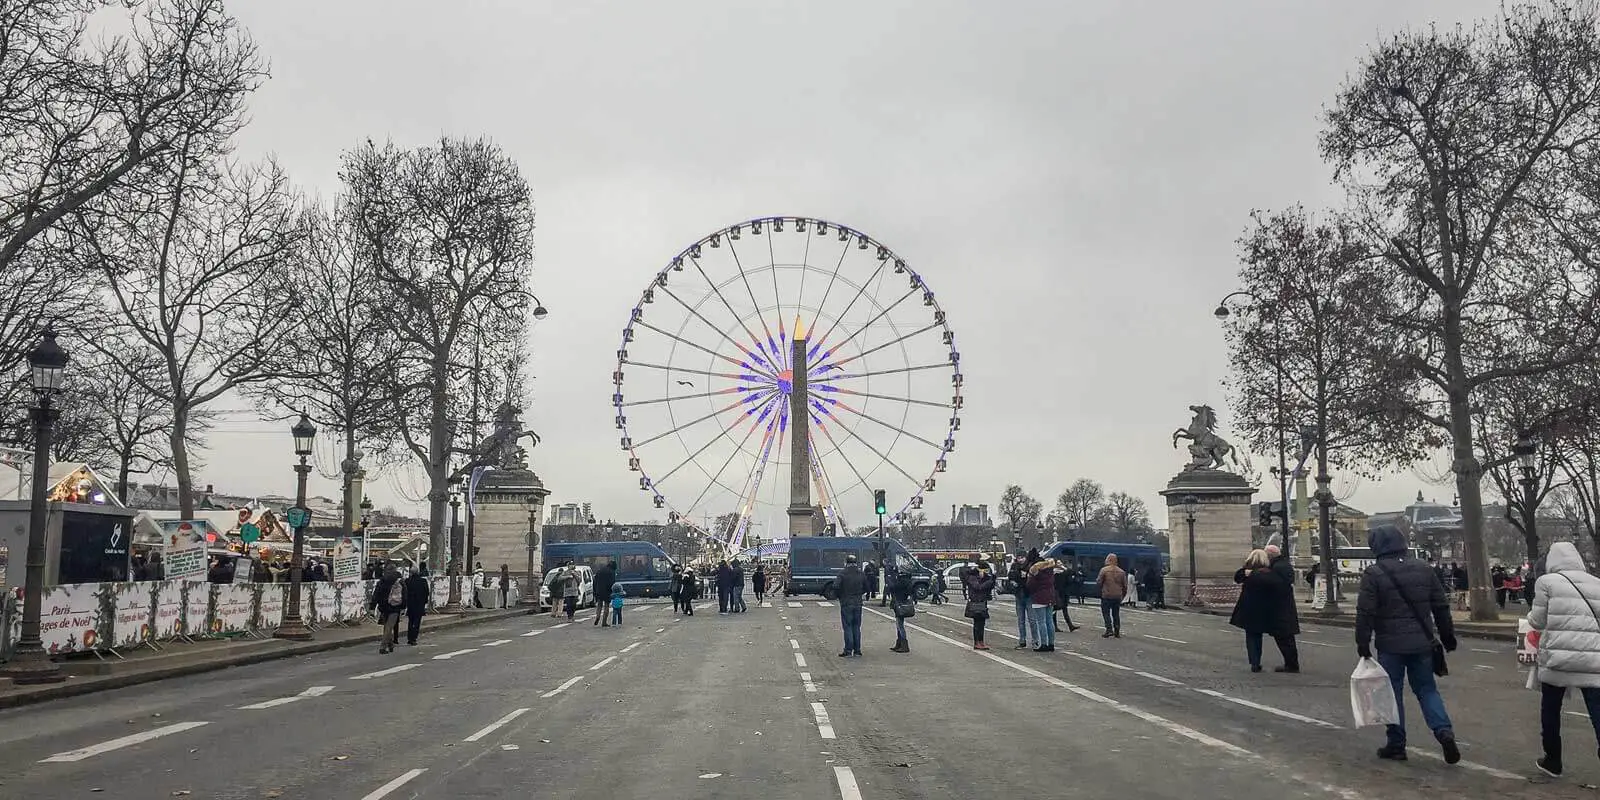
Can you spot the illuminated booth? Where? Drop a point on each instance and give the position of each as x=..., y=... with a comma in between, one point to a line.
x=88, y=533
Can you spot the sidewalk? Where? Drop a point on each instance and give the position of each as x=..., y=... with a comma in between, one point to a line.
x=1504, y=630
x=87, y=674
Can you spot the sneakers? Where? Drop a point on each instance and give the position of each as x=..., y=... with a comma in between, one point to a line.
x=845, y=654
x=1392, y=752
x=1549, y=766
x=1021, y=646
x=1447, y=743
x=1107, y=635
x=980, y=646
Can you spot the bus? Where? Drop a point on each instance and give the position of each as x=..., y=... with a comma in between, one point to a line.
x=815, y=562
x=643, y=568
x=1089, y=557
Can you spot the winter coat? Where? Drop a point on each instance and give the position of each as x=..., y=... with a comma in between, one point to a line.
x=850, y=585
x=1042, y=583
x=1390, y=589
x=979, y=585
x=417, y=595
x=1113, y=582
x=1565, y=600
x=1261, y=607
x=380, y=594
x=901, y=588
x=758, y=580
x=724, y=578
x=1063, y=580
x=1017, y=576
x=604, y=578
x=738, y=577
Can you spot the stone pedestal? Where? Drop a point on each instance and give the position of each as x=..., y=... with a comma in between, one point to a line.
x=508, y=519
x=1221, y=534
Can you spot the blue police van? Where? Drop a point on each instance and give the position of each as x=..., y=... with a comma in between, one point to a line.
x=815, y=562
x=643, y=568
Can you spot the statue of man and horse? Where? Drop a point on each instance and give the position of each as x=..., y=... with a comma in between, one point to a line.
x=1207, y=450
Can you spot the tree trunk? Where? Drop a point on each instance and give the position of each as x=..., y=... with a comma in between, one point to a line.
x=348, y=524
x=1468, y=476
x=180, y=463
x=438, y=465
x=124, y=467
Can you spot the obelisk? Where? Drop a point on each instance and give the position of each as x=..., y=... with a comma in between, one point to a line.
x=800, y=442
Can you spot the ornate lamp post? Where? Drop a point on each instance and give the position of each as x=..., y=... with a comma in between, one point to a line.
x=1526, y=451
x=1282, y=470
x=366, y=513
x=1191, y=505
x=293, y=626
x=457, y=559
x=30, y=664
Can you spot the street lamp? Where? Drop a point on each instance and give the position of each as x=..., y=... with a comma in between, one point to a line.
x=1526, y=451
x=366, y=512
x=1191, y=505
x=452, y=604
x=293, y=627
x=1222, y=313
x=30, y=664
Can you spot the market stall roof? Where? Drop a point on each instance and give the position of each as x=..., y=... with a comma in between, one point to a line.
x=149, y=527
x=77, y=482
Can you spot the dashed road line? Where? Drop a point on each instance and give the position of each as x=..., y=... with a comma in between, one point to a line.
x=824, y=604
x=805, y=678
x=1162, y=638
x=534, y=633
x=800, y=660
x=630, y=647
x=848, y=790
x=559, y=627
x=794, y=644
x=793, y=604
x=497, y=643
x=658, y=630
x=603, y=662
x=384, y=790
x=1485, y=769
x=1159, y=679
x=824, y=724
x=496, y=725
x=450, y=655
x=559, y=689
x=1101, y=662
x=1481, y=666
x=315, y=691
x=384, y=673
x=1269, y=709
x=119, y=743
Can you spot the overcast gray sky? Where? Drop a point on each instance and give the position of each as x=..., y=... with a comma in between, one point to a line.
x=1070, y=177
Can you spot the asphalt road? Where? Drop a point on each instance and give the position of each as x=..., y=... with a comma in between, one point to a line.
x=760, y=705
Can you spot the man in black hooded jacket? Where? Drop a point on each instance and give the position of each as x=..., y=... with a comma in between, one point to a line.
x=1404, y=608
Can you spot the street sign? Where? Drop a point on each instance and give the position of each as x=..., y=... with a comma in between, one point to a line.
x=249, y=532
x=298, y=516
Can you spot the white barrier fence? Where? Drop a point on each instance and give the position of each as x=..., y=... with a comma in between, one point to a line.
x=108, y=617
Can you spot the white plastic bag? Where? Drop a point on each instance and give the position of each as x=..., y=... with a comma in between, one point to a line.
x=1372, y=696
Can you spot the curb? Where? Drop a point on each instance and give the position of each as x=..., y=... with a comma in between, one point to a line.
x=1472, y=629
x=32, y=695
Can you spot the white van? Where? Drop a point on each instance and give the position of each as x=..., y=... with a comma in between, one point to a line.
x=585, y=586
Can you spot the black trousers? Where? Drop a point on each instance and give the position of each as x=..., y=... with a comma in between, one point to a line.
x=1550, y=716
x=413, y=627
x=1290, y=651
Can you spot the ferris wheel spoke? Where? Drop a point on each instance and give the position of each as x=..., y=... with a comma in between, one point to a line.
x=705, y=350
x=772, y=259
x=854, y=393
x=875, y=451
x=725, y=304
x=896, y=370
x=720, y=332
x=862, y=290
x=864, y=353
x=689, y=424
x=881, y=314
x=665, y=368
x=744, y=278
x=823, y=406
x=717, y=477
x=828, y=290
x=723, y=434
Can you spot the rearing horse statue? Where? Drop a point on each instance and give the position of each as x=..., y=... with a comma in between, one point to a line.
x=1206, y=449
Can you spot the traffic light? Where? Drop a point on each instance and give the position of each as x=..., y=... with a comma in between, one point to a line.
x=878, y=501
x=1264, y=511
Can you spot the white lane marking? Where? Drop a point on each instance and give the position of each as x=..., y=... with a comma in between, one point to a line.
x=559, y=689
x=384, y=790
x=1487, y=770
x=534, y=633
x=1159, y=679
x=497, y=643
x=315, y=691
x=805, y=678
x=642, y=609
x=824, y=604
x=630, y=647
x=448, y=656
x=800, y=660
x=119, y=743
x=788, y=627
x=496, y=725
x=603, y=662
x=559, y=627
x=1317, y=644
x=383, y=673
x=824, y=725
x=1161, y=722
x=794, y=644
x=1480, y=666
x=793, y=604
x=1576, y=714
x=766, y=604
x=1101, y=662
x=1162, y=638
x=658, y=630
x=1484, y=650
x=848, y=790
x=1269, y=709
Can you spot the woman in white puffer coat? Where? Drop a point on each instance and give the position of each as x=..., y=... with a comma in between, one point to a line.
x=1566, y=612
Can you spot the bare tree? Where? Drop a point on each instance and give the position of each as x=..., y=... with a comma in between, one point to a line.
x=1020, y=512
x=448, y=229
x=335, y=366
x=79, y=118
x=1128, y=515
x=1449, y=143
x=1083, y=502
x=198, y=276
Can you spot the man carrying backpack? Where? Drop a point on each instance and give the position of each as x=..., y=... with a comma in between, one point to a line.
x=388, y=600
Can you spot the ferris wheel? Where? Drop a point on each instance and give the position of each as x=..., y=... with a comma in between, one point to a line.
x=705, y=385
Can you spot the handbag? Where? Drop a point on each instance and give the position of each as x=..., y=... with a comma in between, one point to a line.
x=977, y=609
x=905, y=608
x=1440, y=667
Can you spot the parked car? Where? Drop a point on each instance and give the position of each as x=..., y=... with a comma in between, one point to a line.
x=585, y=587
